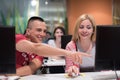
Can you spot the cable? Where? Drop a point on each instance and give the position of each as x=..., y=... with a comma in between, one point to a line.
x=117, y=78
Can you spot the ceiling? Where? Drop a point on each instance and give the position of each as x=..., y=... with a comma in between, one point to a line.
x=54, y=8
x=53, y=11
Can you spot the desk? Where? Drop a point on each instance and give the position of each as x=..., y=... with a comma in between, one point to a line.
x=54, y=62
x=107, y=75
x=50, y=65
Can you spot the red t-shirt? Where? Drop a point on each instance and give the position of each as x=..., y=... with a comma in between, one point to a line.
x=22, y=58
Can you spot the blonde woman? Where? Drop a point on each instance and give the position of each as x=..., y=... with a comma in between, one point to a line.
x=83, y=40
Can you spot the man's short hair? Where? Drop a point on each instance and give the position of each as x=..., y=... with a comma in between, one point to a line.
x=32, y=19
x=36, y=18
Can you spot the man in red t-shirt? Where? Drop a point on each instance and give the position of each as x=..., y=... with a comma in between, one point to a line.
x=28, y=63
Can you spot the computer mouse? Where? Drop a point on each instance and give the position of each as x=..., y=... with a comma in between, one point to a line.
x=74, y=75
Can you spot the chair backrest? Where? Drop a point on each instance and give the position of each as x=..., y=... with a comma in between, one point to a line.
x=64, y=40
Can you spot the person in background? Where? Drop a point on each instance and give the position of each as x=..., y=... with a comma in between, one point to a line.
x=48, y=36
x=83, y=40
x=30, y=43
x=56, y=42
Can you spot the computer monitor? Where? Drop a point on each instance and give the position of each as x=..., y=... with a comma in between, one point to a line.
x=107, y=47
x=64, y=40
x=7, y=50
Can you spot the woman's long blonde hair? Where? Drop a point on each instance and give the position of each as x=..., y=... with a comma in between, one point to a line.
x=77, y=24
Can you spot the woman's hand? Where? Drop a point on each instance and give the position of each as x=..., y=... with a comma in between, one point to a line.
x=73, y=70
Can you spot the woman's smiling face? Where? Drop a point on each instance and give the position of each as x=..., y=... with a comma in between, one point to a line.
x=85, y=29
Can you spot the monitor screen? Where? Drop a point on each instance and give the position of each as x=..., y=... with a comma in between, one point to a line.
x=7, y=50
x=64, y=40
x=107, y=47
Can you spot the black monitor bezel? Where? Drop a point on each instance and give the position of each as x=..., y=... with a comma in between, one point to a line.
x=8, y=56
x=107, y=62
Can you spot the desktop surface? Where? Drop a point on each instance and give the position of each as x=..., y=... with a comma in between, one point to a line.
x=106, y=75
